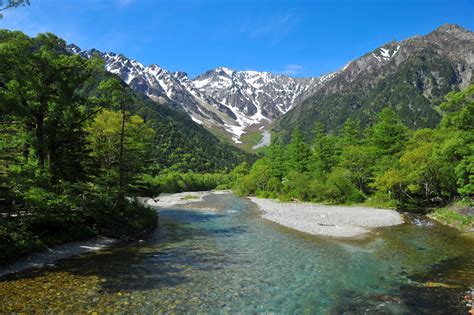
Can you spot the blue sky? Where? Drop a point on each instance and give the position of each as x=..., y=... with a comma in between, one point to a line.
x=299, y=38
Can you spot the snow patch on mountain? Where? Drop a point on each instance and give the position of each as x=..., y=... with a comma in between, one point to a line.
x=224, y=98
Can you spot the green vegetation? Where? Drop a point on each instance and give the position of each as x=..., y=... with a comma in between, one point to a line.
x=385, y=164
x=459, y=215
x=451, y=217
x=170, y=182
x=250, y=139
x=10, y=4
x=413, y=88
x=76, y=145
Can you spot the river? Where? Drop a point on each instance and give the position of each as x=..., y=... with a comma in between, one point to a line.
x=234, y=261
x=265, y=141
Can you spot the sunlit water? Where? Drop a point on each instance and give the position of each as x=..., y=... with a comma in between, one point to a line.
x=233, y=261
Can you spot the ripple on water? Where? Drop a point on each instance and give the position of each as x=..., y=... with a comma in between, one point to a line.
x=237, y=262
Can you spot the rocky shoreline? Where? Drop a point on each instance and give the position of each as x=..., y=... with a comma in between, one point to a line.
x=184, y=200
x=334, y=221
x=55, y=253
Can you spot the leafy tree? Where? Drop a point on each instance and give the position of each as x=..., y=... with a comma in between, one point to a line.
x=10, y=4
x=120, y=139
x=359, y=160
x=275, y=158
x=41, y=89
x=458, y=110
x=339, y=188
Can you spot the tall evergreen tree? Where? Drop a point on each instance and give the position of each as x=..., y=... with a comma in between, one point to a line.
x=388, y=134
x=324, y=151
x=298, y=153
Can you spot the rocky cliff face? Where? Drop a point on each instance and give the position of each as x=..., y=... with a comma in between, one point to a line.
x=411, y=76
x=221, y=98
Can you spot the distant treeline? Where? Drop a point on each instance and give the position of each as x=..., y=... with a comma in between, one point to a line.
x=386, y=163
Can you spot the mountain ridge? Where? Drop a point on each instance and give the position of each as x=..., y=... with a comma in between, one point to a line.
x=223, y=98
x=411, y=76
x=237, y=102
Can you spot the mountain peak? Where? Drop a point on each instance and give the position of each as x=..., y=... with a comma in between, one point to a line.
x=451, y=28
x=73, y=48
x=224, y=70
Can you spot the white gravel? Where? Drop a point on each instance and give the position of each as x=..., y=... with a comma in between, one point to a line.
x=335, y=221
x=55, y=253
x=178, y=200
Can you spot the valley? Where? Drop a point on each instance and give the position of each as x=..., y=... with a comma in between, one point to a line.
x=201, y=157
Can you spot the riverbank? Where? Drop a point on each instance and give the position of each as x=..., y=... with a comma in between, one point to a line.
x=183, y=200
x=51, y=255
x=318, y=219
x=459, y=215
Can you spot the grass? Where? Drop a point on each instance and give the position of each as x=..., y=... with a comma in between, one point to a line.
x=381, y=203
x=249, y=140
x=453, y=215
x=189, y=197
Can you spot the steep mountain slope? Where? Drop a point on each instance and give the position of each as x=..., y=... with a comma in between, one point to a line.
x=256, y=98
x=221, y=98
x=180, y=143
x=411, y=76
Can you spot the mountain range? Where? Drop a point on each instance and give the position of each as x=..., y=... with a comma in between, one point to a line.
x=222, y=98
x=411, y=76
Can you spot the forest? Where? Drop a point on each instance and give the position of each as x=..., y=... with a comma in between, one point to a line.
x=76, y=145
x=385, y=164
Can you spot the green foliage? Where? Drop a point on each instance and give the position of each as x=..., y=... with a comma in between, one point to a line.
x=298, y=153
x=16, y=240
x=452, y=215
x=388, y=135
x=170, y=182
x=324, y=155
x=10, y=4
x=55, y=185
x=385, y=163
x=339, y=188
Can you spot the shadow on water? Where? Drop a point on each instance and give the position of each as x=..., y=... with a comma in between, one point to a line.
x=162, y=260
x=441, y=294
x=236, y=262
x=439, y=289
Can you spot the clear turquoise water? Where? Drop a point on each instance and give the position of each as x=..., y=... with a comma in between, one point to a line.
x=233, y=261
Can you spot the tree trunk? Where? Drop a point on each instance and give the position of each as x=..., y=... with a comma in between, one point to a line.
x=121, y=195
x=53, y=148
x=39, y=132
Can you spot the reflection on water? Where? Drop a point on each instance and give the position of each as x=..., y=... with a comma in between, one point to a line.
x=234, y=261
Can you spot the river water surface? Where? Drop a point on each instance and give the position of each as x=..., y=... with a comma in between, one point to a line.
x=233, y=261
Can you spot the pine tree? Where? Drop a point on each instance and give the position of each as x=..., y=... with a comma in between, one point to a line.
x=324, y=151
x=298, y=153
x=388, y=134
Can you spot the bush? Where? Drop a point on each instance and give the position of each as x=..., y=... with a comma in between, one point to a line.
x=16, y=240
x=57, y=228
x=296, y=186
x=134, y=221
x=339, y=188
x=173, y=182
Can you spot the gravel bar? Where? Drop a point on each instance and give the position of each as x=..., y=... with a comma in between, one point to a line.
x=318, y=219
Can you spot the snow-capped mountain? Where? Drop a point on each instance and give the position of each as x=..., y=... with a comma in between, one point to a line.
x=412, y=77
x=231, y=100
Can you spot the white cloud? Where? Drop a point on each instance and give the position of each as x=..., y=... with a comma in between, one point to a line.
x=292, y=69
